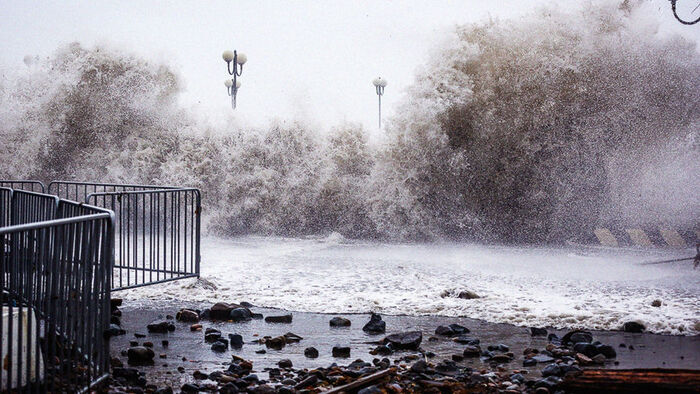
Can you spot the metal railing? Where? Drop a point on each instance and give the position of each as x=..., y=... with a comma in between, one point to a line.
x=55, y=273
x=30, y=185
x=157, y=229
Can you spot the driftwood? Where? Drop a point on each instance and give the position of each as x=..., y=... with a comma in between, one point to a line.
x=634, y=381
x=362, y=382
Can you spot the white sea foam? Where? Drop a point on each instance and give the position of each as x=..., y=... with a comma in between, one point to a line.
x=523, y=286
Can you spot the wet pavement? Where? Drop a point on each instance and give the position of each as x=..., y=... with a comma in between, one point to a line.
x=188, y=349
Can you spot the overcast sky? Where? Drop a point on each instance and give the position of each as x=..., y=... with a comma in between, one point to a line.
x=308, y=59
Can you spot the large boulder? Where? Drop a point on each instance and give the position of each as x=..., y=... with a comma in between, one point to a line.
x=375, y=325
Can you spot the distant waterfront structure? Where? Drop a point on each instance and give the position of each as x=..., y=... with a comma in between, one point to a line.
x=233, y=84
x=380, y=84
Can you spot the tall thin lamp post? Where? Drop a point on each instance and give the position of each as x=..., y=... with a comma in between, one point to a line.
x=234, y=66
x=380, y=84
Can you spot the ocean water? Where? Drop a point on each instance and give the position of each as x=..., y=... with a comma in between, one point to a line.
x=572, y=287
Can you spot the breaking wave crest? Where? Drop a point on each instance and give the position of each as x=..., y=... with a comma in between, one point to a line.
x=532, y=130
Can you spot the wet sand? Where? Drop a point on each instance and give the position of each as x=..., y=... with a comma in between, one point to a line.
x=188, y=349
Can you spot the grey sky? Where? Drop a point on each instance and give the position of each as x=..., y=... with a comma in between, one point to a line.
x=309, y=59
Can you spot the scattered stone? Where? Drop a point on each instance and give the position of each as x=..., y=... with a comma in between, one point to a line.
x=543, y=358
x=219, y=347
x=458, y=357
x=311, y=352
x=236, y=341
x=196, y=327
x=375, y=325
x=137, y=335
x=529, y=362
x=200, y=375
x=598, y=358
x=551, y=370
x=187, y=315
x=467, y=340
x=404, y=341
x=607, y=350
x=583, y=359
x=444, y=331
x=190, y=388
x=341, y=351
x=211, y=335
x=656, y=303
x=285, y=363
x=261, y=351
x=113, y=331
x=148, y=344
x=472, y=351
x=467, y=295
x=538, y=332
x=139, y=355
x=279, y=319
x=165, y=343
x=240, y=315
x=501, y=358
x=633, y=327
x=382, y=350
x=340, y=322
x=161, y=327
x=221, y=310
x=577, y=336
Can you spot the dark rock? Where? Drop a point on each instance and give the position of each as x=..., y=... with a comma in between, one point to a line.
x=472, y=351
x=457, y=357
x=633, y=327
x=164, y=390
x=656, y=303
x=276, y=343
x=195, y=327
x=375, y=325
x=219, y=346
x=133, y=343
x=212, y=335
x=607, y=350
x=161, y=327
x=501, y=358
x=256, y=316
x=187, y=315
x=222, y=310
x=206, y=314
x=444, y=331
x=447, y=367
x=114, y=362
x=467, y=340
x=467, y=295
x=129, y=374
x=240, y=315
x=137, y=335
x=459, y=330
x=577, y=336
x=279, y=319
x=585, y=348
x=538, y=332
x=285, y=363
x=419, y=367
x=311, y=352
x=247, y=304
x=543, y=358
x=115, y=320
x=140, y=355
x=529, y=362
x=236, y=341
x=551, y=370
x=517, y=378
x=570, y=370
x=500, y=347
x=148, y=344
x=190, y=388
x=115, y=303
x=199, y=375
x=404, y=341
x=340, y=322
x=165, y=343
x=291, y=337
x=260, y=351
x=549, y=382
x=341, y=351
x=381, y=350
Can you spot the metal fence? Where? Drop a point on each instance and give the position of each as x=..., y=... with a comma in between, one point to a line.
x=55, y=274
x=30, y=185
x=157, y=229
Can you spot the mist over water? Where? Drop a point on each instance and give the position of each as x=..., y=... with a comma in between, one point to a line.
x=530, y=130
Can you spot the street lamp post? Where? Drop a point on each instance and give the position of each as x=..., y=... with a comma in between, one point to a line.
x=232, y=85
x=380, y=84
